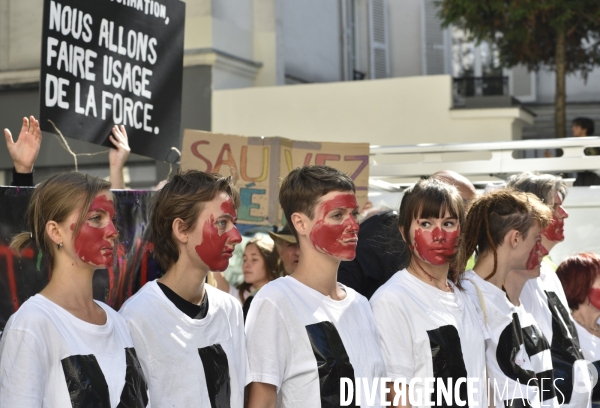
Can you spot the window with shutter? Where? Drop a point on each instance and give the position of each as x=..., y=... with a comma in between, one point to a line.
x=522, y=83
x=435, y=40
x=348, y=39
x=378, y=39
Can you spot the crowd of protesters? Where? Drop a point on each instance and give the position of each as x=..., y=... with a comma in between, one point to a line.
x=451, y=286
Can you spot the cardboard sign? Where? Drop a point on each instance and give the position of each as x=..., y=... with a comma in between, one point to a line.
x=259, y=164
x=107, y=62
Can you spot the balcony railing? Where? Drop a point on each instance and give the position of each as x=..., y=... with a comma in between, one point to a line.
x=480, y=86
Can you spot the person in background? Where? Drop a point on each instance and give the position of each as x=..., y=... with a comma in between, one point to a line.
x=25, y=150
x=306, y=332
x=429, y=326
x=190, y=335
x=288, y=250
x=62, y=348
x=585, y=127
x=259, y=267
x=544, y=296
x=580, y=277
x=504, y=227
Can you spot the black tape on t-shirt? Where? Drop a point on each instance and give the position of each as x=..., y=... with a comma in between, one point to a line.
x=448, y=362
x=536, y=343
x=596, y=390
x=216, y=371
x=565, y=347
x=85, y=382
x=135, y=390
x=509, y=345
x=333, y=362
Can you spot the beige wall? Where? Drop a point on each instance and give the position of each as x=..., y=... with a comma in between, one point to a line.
x=382, y=112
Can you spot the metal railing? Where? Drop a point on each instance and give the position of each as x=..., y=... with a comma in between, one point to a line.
x=480, y=86
x=430, y=158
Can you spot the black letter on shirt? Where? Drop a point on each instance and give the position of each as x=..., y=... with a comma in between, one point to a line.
x=447, y=359
x=87, y=385
x=565, y=347
x=135, y=391
x=333, y=362
x=216, y=371
x=85, y=381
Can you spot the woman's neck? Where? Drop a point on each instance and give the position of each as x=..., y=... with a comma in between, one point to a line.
x=484, y=267
x=318, y=271
x=434, y=275
x=71, y=288
x=587, y=316
x=186, y=281
x=513, y=285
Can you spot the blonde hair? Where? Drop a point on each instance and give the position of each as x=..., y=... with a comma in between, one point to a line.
x=54, y=200
x=493, y=215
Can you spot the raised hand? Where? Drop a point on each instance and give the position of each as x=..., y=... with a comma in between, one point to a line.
x=118, y=156
x=25, y=150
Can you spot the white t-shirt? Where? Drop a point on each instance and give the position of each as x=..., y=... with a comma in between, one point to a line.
x=304, y=342
x=50, y=358
x=517, y=353
x=545, y=299
x=428, y=333
x=590, y=344
x=189, y=362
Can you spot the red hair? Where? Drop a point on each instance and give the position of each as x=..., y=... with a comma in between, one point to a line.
x=577, y=274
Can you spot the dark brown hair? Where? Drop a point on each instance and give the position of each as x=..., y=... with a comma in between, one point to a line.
x=301, y=189
x=431, y=198
x=266, y=249
x=577, y=274
x=54, y=200
x=183, y=197
x=493, y=215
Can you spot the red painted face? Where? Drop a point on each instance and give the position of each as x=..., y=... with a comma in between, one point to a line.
x=336, y=230
x=535, y=256
x=594, y=296
x=94, y=244
x=219, y=238
x=437, y=245
x=555, y=230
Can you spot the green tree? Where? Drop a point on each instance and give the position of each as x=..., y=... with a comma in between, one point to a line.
x=563, y=35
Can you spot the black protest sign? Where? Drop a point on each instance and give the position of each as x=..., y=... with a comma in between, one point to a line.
x=23, y=276
x=107, y=62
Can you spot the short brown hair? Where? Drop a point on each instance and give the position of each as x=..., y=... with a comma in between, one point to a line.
x=431, y=198
x=493, y=215
x=54, y=200
x=183, y=197
x=301, y=189
x=577, y=274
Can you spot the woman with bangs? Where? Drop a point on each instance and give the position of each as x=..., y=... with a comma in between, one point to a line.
x=429, y=326
x=503, y=228
x=62, y=348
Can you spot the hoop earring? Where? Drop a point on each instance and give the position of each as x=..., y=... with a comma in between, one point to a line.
x=59, y=246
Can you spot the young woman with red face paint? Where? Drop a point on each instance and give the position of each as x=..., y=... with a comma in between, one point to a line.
x=544, y=296
x=503, y=228
x=580, y=277
x=190, y=335
x=306, y=332
x=429, y=327
x=62, y=348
